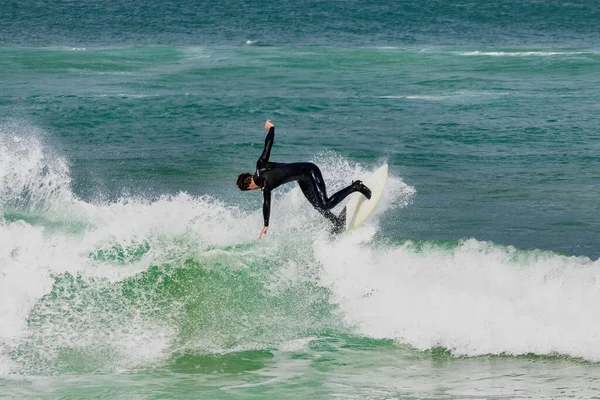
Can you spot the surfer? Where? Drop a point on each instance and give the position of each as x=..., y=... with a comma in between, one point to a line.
x=269, y=175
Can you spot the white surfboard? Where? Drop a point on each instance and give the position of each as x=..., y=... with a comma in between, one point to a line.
x=359, y=208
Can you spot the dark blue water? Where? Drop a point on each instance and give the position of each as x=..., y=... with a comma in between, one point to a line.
x=330, y=23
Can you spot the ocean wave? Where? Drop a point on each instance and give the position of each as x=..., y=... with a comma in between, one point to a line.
x=143, y=281
x=473, y=298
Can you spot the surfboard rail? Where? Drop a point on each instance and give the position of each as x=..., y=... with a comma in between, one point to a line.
x=359, y=207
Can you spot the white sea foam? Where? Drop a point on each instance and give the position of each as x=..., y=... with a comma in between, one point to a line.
x=462, y=95
x=196, y=52
x=417, y=97
x=477, y=299
x=34, y=179
x=65, y=48
x=5, y=365
x=523, y=53
x=30, y=259
x=126, y=95
x=427, y=97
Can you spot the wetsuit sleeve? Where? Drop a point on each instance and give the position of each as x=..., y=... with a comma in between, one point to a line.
x=264, y=157
x=266, y=205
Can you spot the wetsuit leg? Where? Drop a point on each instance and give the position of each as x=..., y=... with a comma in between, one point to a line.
x=309, y=192
x=313, y=187
x=315, y=179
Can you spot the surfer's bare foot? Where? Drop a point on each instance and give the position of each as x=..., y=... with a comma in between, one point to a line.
x=268, y=125
x=358, y=185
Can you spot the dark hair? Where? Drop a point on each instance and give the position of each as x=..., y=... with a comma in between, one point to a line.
x=244, y=180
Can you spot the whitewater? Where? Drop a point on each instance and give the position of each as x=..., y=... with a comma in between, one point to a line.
x=112, y=285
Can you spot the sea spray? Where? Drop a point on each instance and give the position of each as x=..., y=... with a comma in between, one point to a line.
x=32, y=177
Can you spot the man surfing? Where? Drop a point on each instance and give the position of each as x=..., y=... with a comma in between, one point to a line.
x=270, y=175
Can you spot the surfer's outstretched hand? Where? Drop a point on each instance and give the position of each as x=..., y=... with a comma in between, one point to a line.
x=268, y=125
x=264, y=230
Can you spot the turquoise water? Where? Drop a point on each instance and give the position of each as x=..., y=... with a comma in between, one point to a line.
x=129, y=265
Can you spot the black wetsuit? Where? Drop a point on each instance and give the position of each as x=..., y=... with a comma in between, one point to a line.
x=270, y=175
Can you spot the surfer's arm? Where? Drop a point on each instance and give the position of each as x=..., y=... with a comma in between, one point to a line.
x=266, y=210
x=264, y=157
x=266, y=205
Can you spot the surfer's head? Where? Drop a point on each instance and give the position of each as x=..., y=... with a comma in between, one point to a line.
x=245, y=182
